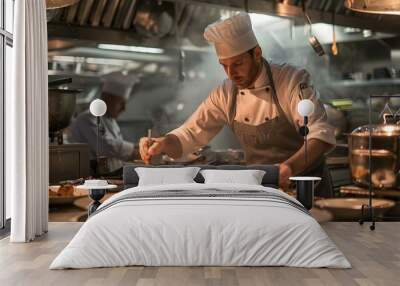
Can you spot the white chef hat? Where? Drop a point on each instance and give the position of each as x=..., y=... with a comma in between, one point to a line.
x=119, y=84
x=232, y=36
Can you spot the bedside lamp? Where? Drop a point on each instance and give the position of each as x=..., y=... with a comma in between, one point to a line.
x=305, y=108
x=97, y=188
x=98, y=108
x=305, y=185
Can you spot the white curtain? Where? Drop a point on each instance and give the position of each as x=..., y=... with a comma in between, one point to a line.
x=27, y=123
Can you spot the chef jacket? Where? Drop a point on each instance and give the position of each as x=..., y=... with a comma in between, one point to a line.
x=112, y=145
x=255, y=106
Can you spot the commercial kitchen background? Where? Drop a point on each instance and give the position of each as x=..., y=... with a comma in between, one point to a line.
x=161, y=42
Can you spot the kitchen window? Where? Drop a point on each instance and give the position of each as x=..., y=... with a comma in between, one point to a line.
x=6, y=43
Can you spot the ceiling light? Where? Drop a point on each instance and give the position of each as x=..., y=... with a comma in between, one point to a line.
x=374, y=6
x=68, y=59
x=352, y=30
x=180, y=106
x=367, y=33
x=135, y=49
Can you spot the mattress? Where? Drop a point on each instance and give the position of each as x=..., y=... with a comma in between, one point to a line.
x=201, y=225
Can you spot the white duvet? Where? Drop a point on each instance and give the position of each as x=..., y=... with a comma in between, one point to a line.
x=200, y=231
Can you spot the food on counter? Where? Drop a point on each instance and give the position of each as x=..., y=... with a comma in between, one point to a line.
x=66, y=190
x=61, y=191
x=52, y=193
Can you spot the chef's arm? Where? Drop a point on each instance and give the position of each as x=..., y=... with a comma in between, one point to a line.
x=109, y=146
x=315, y=150
x=168, y=144
x=197, y=131
x=173, y=147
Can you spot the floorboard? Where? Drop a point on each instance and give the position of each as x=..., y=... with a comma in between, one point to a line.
x=375, y=257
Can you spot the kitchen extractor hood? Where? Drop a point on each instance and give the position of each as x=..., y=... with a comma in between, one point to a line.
x=56, y=4
x=374, y=6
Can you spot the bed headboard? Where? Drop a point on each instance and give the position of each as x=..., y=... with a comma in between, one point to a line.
x=271, y=177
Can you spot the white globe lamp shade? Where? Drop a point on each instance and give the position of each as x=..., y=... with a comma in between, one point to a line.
x=305, y=107
x=98, y=107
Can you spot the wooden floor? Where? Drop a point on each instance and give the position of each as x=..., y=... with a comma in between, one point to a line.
x=375, y=257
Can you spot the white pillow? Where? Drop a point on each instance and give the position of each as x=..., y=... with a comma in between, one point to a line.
x=248, y=177
x=164, y=176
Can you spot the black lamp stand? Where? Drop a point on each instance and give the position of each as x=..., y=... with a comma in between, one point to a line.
x=305, y=188
x=304, y=132
x=96, y=194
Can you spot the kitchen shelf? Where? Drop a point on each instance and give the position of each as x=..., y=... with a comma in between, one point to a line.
x=58, y=80
x=365, y=83
x=337, y=160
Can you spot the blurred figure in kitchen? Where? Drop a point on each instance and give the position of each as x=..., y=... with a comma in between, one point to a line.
x=116, y=90
x=258, y=101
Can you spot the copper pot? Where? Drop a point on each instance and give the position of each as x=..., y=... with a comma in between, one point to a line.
x=385, y=154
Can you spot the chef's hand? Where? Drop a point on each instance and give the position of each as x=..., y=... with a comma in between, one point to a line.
x=149, y=147
x=285, y=172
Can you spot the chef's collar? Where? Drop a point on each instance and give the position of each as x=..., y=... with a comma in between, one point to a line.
x=262, y=79
x=261, y=82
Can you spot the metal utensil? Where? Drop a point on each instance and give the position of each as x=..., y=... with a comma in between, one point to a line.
x=315, y=44
x=61, y=107
x=350, y=208
x=181, y=52
x=384, y=155
x=391, y=7
x=334, y=47
x=181, y=66
x=386, y=113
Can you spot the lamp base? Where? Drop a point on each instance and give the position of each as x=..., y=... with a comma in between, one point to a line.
x=305, y=190
x=305, y=193
x=96, y=195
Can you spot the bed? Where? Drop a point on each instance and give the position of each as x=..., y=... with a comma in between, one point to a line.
x=198, y=224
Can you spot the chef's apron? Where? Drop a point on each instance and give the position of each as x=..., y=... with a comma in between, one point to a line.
x=111, y=126
x=275, y=140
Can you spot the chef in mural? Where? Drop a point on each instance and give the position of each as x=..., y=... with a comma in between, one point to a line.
x=258, y=101
x=116, y=90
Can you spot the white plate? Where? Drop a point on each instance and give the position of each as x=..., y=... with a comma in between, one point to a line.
x=305, y=178
x=89, y=187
